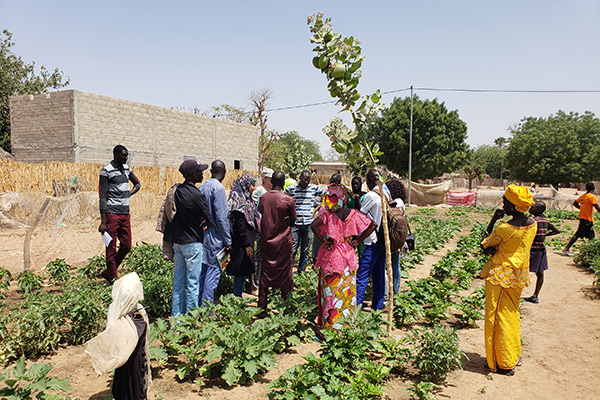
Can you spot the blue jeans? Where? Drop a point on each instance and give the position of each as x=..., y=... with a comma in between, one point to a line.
x=209, y=276
x=301, y=235
x=188, y=263
x=238, y=285
x=372, y=263
x=396, y=273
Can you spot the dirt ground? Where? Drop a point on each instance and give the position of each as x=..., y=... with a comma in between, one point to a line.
x=561, y=346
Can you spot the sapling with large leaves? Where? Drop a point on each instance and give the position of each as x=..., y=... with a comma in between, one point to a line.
x=340, y=59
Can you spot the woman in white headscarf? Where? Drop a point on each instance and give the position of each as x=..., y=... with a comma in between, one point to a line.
x=123, y=345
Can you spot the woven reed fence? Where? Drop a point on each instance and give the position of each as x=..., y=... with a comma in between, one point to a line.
x=26, y=177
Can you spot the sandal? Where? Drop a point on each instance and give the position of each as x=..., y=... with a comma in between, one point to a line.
x=532, y=299
x=507, y=372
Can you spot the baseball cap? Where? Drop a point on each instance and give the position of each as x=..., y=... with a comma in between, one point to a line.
x=188, y=167
x=266, y=173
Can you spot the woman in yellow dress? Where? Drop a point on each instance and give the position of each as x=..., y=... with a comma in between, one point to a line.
x=505, y=274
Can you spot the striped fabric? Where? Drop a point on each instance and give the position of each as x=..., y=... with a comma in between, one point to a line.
x=114, y=188
x=538, y=242
x=305, y=199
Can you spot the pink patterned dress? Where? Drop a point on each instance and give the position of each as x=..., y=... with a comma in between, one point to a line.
x=337, y=267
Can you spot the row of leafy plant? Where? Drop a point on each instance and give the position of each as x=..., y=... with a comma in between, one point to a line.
x=428, y=300
x=589, y=257
x=431, y=234
x=68, y=305
x=356, y=361
x=229, y=340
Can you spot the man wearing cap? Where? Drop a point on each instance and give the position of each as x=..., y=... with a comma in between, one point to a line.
x=218, y=236
x=114, y=194
x=186, y=231
x=266, y=174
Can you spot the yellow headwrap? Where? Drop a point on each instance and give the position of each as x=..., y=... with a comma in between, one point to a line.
x=520, y=197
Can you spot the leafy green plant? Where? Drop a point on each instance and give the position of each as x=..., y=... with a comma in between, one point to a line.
x=470, y=308
x=422, y=391
x=346, y=367
x=589, y=256
x=436, y=310
x=94, y=267
x=59, y=271
x=407, y=310
x=156, y=275
x=223, y=338
x=85, y=308
x=29, y=282
x=31, y=328
x=445, y=268
x=437, y=352
x=23, y=383
x=562, y=214
x=5, y=279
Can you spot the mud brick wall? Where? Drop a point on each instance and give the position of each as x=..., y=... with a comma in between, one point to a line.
x=74, y=126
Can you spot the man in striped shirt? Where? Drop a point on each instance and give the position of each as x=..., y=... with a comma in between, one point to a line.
x=306, y=196
x=114, y=209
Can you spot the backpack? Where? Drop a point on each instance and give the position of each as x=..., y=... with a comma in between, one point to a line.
x=397, y=227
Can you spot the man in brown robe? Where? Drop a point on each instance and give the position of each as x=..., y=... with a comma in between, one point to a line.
x=278, y=215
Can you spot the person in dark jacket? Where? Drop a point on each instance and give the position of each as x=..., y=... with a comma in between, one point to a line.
x=244, y=220
x=186, y=231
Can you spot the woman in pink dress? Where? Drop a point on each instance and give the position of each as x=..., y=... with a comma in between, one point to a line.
x=339, y=230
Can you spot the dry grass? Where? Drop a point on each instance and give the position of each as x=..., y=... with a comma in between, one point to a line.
x=33, y=183
x=26, y=177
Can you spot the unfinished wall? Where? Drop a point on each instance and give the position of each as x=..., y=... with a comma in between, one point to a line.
x=42, y=127
x=75, y=126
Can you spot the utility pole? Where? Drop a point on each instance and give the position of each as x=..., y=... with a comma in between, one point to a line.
x=410, y=144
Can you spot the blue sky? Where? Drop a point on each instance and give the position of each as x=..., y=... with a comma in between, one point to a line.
x=199, y=54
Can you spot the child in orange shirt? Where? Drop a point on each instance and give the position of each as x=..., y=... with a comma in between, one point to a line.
x=586, y=204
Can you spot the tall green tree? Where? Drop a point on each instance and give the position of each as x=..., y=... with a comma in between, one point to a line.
x=560, y=148
x=438, y=137
x=292, y=152
x=490, y=160
x=18, y=77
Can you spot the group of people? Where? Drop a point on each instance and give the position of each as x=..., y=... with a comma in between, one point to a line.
x=262, y=228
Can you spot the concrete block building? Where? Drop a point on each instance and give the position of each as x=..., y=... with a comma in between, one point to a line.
x=74, y=126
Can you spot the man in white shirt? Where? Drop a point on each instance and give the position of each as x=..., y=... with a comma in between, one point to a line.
x=372, y=261
x=266, y=174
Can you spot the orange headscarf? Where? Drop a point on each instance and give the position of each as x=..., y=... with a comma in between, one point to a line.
x=520, y=197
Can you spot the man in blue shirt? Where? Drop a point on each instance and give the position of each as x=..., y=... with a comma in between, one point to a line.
x=306, y=196
x=216, y=237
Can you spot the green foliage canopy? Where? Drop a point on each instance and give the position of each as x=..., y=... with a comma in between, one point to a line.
x=438, y=137
x=490, y=160
x=292, y=152
x=560, y=148
x=18, y=78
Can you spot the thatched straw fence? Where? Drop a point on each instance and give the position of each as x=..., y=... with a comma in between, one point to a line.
x=25, y=177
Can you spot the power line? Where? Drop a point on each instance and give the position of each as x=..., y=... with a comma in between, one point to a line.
x=459, y=90
x=506, y=90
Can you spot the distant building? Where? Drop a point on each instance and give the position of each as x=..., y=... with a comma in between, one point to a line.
x=74, y=126
x=329, y=168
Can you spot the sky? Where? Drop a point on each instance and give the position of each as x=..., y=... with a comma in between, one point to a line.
x=198, y=54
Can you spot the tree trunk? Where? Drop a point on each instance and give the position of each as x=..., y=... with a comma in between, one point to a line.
x=388, y=254
x=29, y=234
